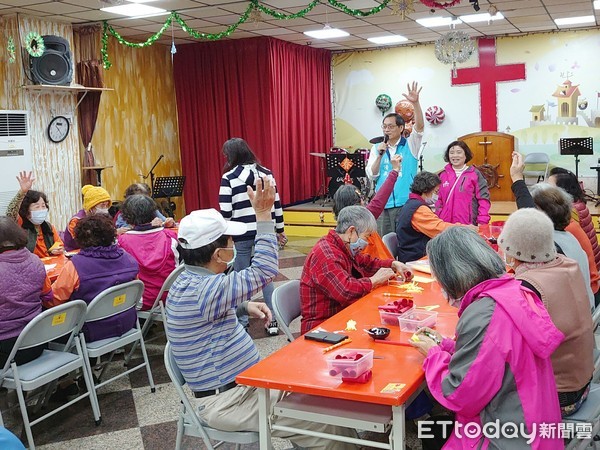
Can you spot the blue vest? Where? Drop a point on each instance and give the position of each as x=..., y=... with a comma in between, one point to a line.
x=411, y=243
x=409, y=169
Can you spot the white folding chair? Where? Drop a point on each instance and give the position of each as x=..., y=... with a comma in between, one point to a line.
x=156, y=313
x=391, y=242
x=286, y=306
x=596, y=321
x=586, y=421
x=536, y=159
x=63, y=320
x=107, y=303
x=190, y=424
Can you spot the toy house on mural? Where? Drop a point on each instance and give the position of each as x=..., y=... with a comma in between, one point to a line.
x=538, y=114
x=567, y=95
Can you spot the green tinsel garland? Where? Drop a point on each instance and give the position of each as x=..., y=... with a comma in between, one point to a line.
x=253, y=5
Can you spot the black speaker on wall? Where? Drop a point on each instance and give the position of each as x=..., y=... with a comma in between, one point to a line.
x=55, y=65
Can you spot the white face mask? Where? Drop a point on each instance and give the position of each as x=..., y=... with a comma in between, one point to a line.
x=101, y=211
x=432, y=200
x=510, y=264
x=38, y=217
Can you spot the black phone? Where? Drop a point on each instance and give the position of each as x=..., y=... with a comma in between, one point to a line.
x=324, y=336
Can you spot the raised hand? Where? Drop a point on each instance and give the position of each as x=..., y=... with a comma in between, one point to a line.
x=397, y=163
x=413, y=92
x=25, y=181
x=517, y=167
x=262, y=198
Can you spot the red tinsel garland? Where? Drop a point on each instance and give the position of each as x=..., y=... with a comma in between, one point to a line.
x=444, y=5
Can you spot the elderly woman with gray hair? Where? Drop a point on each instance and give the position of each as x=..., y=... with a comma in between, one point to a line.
x=154, y=248
x=336, y=273
x=499, y=368
x=528, y=244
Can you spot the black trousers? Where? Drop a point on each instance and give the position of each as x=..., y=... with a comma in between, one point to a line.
x=22, y=356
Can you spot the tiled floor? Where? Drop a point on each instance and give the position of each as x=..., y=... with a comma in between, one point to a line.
x=132, y=416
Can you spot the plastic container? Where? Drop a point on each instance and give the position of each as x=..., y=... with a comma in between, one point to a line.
x=344, y=363
x=391, y=318
x=415, y=319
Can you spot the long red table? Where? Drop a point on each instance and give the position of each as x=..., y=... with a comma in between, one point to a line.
x=300, y=367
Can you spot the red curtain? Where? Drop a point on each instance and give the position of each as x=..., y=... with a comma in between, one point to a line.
x=274, y=94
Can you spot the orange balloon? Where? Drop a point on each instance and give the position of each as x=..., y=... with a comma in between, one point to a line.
x=405, y=109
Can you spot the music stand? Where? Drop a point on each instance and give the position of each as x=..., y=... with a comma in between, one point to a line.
x=576, y=147
x=167, y=187
x=336, y=165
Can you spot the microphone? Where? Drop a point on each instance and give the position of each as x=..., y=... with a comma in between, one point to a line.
x=386, y=138
x=377, y=140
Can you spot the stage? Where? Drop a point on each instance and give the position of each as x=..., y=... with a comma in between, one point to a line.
x=316, y=219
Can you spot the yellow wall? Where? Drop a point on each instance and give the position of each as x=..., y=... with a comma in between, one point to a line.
x=137, y=122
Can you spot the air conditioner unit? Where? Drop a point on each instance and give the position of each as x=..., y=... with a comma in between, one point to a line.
x=15, y=153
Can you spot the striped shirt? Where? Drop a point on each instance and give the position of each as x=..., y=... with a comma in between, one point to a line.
x=210, y=346
x=235, y=203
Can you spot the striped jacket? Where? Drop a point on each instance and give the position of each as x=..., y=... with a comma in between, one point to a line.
x=235, y=203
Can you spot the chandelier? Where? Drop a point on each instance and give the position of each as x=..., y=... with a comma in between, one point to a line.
x=454, y=47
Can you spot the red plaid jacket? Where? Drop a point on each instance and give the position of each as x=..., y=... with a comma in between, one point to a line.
x=333, y=279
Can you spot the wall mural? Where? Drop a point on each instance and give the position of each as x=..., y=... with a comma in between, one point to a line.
x=539, y=88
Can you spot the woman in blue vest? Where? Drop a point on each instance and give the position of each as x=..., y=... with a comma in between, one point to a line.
x=417, y=223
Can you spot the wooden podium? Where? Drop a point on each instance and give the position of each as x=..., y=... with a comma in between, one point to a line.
x=492, y=155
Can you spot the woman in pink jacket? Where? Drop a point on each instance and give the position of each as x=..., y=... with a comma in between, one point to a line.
x=499, y=369
x=464, y=196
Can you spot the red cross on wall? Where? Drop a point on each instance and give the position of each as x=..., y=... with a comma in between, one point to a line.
x=487, y=75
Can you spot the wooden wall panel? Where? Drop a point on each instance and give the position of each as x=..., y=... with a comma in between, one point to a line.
x=137, y=122
x=56, y=166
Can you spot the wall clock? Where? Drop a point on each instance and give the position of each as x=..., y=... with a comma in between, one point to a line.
x=58, y=129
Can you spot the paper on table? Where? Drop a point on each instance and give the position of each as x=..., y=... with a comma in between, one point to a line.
x=49, y=267
x=420, y=279
x=392, y=388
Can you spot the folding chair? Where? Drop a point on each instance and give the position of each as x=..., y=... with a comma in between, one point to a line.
x=596, y=321
x=190, y=424
x=107, y=303
x=586, y=421
x=157, y=311
x=536, y=159
x=286, y=306
x=391, y=242
x=52, y=324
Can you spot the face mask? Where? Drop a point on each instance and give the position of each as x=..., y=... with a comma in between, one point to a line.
x=101, y=211
x=39, y=217
x=358, y=246
x=510, y=264
x=230, y=262
x=432, y=200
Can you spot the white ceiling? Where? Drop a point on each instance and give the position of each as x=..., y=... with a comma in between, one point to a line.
x=213, y=16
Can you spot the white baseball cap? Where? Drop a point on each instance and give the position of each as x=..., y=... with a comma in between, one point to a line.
x=204, y=226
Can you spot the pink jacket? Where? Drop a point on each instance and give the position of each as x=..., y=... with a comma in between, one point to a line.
x=469, y=202
x=156, y=252
x=499, y=369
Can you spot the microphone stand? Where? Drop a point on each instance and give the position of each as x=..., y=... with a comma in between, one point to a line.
x=420, y=153
x=151, y=173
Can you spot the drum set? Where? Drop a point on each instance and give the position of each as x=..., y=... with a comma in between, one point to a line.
x=339, y=167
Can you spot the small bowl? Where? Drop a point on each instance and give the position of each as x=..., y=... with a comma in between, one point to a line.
x=378, y=333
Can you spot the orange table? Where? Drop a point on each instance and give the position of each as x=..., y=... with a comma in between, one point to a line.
x=300, y=367
x=58, y=262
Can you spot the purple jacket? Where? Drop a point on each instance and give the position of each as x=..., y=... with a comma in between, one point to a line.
x=21, y=285
x=68, y=238
x=98, y=269
x=499, y=369
x=469, y=202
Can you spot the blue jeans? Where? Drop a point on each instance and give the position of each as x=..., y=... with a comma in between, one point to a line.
x=245, y=251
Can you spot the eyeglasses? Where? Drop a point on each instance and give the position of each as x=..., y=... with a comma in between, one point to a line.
x=388, y=127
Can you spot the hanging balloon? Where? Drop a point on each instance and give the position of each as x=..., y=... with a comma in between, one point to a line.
x=583, y=104
x=383, y=103
x=406, y=110
x=435, y=115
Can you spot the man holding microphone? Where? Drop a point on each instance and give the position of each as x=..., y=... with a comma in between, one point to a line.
x=379, y=164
